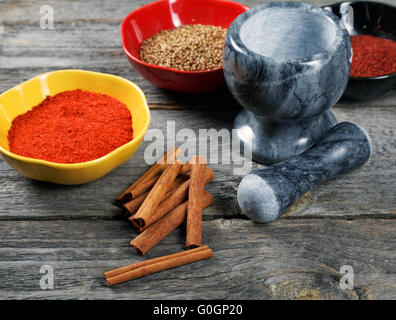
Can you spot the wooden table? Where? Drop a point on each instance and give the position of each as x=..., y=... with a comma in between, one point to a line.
x=80, y=233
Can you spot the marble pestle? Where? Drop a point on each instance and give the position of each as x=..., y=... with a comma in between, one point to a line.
x=266, y=194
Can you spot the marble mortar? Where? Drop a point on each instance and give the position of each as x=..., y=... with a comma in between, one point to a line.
x=286, y=63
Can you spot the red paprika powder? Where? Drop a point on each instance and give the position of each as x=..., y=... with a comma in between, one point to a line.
x=71, y=127
x=372, y=56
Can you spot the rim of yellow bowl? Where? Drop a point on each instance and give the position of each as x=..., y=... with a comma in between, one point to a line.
x=91, y=162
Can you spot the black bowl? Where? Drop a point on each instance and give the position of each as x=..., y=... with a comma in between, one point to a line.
x=376, y=19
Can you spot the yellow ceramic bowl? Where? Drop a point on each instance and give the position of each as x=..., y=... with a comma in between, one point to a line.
x=25, y=96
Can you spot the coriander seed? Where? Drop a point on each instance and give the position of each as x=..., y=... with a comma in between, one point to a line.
x=192, y=47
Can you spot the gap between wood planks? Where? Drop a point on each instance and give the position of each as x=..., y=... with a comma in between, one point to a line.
x=340, y=105
x=174, y=107
x=238, y=216
x=66, y=22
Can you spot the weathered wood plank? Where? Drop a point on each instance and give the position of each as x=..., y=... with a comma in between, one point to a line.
x=96, y=10
x=368, y=191
x=87, y=36
x=294, y=257
x=286, y=259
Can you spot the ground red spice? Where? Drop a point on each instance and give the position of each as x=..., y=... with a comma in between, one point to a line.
x=71, y=127
x=372, y=56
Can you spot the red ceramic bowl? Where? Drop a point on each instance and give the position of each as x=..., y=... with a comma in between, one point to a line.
x=150, y=19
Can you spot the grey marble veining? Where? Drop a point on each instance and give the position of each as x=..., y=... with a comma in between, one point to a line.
x=286, y=62
x=272, y=141
x=265, y=194
x=267, y=31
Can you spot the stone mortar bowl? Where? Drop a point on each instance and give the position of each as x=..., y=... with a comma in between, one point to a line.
x=286, y=63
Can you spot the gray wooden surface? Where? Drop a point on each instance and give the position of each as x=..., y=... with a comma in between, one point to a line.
x=77, y=230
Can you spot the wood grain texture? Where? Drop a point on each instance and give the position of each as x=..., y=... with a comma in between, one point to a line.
x=368, y=191
x=77, y=229
x=297, y=259
x=86, y=35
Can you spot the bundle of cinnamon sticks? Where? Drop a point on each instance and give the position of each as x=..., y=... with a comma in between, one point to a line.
x=168, y=194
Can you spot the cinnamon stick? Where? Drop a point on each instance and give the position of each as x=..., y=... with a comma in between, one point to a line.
x=194, y=207
x=186, y=169
x=121, y=270
x=155, y=170
x=132, y=206
x=171, y=201
x=159, y=264
x=141, y=188
x=157, y=193
x=160, y=229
